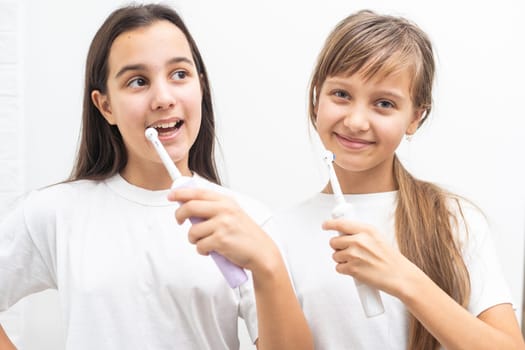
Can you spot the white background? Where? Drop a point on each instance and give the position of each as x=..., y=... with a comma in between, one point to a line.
x=259, y=56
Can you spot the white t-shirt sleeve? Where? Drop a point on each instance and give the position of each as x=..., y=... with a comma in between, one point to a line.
x=23, y=270
x=488, y=285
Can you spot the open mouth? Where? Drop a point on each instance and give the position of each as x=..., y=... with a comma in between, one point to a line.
x=168, y=128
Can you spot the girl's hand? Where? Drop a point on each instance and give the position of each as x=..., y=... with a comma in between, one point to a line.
x=360, y=252
x=225, y=228
x=5, y=342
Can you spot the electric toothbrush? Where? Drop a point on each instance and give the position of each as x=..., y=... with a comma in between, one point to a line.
x=234, y=275
x=370, y=297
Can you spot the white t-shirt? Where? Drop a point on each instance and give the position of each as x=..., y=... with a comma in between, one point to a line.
x=329, y=299
x=126, y=274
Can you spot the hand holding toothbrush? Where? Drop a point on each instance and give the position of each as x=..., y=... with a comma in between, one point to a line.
x=360, y=252
x=234, y=275
x=225, y=229
x=370, y=297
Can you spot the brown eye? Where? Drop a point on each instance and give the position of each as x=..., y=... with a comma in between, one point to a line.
x=137, y=82
x=179, y=75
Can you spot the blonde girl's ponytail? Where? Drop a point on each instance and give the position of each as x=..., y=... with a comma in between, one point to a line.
x=424, y=230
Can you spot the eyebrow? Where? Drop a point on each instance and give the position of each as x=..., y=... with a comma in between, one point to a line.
x=390, y=93
x=139, y=66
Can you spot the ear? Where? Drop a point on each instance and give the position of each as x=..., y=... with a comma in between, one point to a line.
x=101, y=101
x=416, y=121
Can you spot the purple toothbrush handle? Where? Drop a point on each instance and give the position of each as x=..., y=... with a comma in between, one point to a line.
x=234, y=275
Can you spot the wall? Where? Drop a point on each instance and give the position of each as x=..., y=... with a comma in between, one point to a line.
x=259, y=57
x=12, y=165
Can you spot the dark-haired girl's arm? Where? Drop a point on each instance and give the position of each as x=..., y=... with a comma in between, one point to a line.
x=5, y=343
x=229, y=231
x=282, y=324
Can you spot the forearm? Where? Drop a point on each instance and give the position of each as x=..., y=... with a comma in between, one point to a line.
x=453, y=326
x=5, y=343
x=281, y=321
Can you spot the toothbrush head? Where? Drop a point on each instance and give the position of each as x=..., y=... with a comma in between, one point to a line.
x=328, y=157
x=151, y=134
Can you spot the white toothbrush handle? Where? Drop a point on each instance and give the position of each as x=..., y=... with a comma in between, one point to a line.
x=370, y=298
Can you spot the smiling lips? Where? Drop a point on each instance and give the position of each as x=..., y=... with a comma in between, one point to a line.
x=352, y=142
x=167, y=128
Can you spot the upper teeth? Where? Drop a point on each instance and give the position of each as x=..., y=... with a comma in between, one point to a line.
x=166, y=125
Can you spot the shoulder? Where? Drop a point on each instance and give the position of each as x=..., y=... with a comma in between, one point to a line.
x=476, y=237
x=64, y=190
x=303, y=216
x=37, y=212
x=62, y=196
x=312, y=206
x=466, y=214
x=471, y=226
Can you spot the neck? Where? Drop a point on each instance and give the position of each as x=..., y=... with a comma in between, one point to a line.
x=155, y=179
x=373, y=180
x=149, y=174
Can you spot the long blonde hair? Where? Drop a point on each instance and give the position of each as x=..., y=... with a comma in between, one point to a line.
x=377, y=45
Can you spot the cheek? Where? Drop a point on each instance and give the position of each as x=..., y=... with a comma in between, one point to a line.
x=192, y=98
x=392, y=133
x=327, y=115
x=128, y=109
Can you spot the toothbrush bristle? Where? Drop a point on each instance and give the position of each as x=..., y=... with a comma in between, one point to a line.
x=151, y=133
x=329, y=156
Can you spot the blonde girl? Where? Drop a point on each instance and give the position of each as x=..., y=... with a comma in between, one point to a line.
x=428, y=251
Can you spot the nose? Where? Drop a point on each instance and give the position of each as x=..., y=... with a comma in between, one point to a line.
x=357, y=119
x=162, y=96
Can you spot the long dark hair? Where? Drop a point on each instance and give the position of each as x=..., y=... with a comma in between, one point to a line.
x=102, y=152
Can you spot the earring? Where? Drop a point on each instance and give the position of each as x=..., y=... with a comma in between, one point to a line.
x=408, y=137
